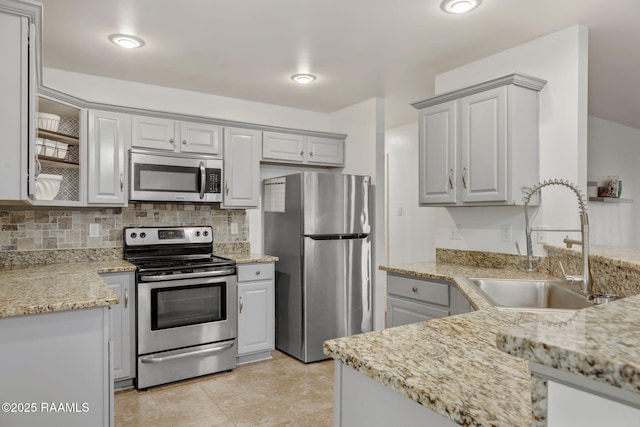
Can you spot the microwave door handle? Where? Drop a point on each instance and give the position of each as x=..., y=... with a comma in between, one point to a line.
x=203, y=180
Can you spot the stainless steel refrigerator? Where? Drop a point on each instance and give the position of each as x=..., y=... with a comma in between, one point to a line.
x=318, y=224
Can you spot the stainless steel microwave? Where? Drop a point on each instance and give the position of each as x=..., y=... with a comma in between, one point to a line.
x=172, y=177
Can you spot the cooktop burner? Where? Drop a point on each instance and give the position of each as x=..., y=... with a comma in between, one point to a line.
x=169, y=263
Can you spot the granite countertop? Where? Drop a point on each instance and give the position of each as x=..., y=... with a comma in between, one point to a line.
x=460, y=373
x=601, y=343
x=244, y=258
x=57, y=287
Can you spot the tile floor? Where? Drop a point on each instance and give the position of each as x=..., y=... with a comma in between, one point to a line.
x=278, y=392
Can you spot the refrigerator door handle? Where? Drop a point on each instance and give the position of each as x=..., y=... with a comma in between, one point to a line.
x=336, y=236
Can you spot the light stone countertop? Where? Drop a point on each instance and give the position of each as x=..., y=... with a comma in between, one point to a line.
x=244, y=258
x=453, y=366
x=57, y=287
x=601, y=343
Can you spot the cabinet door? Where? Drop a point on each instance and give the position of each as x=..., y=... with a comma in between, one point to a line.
x=402, y=312
x=437, y=154
x=325, y=151
x=483, y=145
x=15, y=104
x=109, y=138
x=200, y=138
x=122, y=324
x=152, y=132
x=283, y=146
x=241, y=168
x=256, y=316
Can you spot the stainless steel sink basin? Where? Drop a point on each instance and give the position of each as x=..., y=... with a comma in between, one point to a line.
x=530, y=294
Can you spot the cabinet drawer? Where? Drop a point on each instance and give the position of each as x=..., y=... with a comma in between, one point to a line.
x=250, y=272
x=421, y=290
x=402, y=312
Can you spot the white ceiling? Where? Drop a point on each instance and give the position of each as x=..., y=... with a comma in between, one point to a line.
x=359, y=49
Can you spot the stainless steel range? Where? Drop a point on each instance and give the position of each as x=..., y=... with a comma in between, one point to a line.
x=186, y=304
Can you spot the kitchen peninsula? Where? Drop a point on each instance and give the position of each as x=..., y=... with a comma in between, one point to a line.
x=452, y=367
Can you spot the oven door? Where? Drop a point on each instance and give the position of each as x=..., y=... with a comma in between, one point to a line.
x=182, y=313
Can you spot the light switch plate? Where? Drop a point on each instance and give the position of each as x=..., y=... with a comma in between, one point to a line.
x=234, y=228
x=454, y=233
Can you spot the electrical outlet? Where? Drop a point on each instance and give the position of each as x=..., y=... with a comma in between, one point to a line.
x=454, y=232
x=506, y=234
x=234, y=228
x=543, y=236
x=399, y=211
x=94, y=229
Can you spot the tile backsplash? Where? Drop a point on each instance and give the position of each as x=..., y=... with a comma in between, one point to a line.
x=69, y=229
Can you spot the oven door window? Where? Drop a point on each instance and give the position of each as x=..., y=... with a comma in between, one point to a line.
x=187, y=305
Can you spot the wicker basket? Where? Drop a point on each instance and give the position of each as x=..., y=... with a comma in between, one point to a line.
x=48, y=121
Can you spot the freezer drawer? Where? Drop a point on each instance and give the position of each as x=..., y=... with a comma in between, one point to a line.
x=337, y=297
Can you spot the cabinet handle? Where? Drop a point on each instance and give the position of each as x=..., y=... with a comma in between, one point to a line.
x=126, y=298
x=302, y=153
x=121, y=182
x=226, y=185
x=415, y=289
x=171, y=141
x=464, y=177
x=451, y=178
x=241, y=305
x=184, y=142
x=257, y=272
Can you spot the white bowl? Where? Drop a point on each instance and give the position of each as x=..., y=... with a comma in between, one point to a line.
x=61, y=150
x=47, y=186
x=48, y=121
x=49, y=148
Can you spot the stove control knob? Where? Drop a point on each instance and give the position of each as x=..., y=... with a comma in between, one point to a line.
x=205, y=233
x=143, y=235
x=197, y=234
x=134, y=235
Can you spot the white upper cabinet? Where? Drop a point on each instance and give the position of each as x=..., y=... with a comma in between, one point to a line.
x=291, y=148
x=176, y=136
x=241, y=168
x=108, y=140
x=284, y=147
x=200, y=138
x=479, y=145
x=325, y=151
x=15, y=105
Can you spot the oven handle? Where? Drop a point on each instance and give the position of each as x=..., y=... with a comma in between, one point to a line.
x=205, y=352
x=161, y=278
x=203, y=180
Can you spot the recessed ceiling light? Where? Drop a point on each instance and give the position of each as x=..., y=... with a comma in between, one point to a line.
x=303, y=79
x=459, y=6
x=127, y=41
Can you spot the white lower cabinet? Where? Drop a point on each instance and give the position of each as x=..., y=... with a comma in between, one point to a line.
x=411, y=300
x=256, y=311
x=123, y=324
x=56, y=369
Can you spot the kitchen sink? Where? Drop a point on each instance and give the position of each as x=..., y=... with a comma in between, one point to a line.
x=531, y=294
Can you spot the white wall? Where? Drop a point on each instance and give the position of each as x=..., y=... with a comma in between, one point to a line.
x=561, y=59
x=614, y=149
x=410, y=227
x=139, y=95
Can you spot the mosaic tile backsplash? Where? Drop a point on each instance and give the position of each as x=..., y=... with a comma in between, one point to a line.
x=67, y=229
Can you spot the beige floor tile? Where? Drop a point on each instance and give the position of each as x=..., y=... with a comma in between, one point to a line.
x=282, y=391
x=134, y=408
x=186, y=403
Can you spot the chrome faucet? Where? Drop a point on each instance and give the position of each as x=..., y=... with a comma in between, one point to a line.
x=584, y=231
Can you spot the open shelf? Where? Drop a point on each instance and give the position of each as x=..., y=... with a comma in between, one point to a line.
x=60, y=137
x=54, y=162
x=610, y=200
